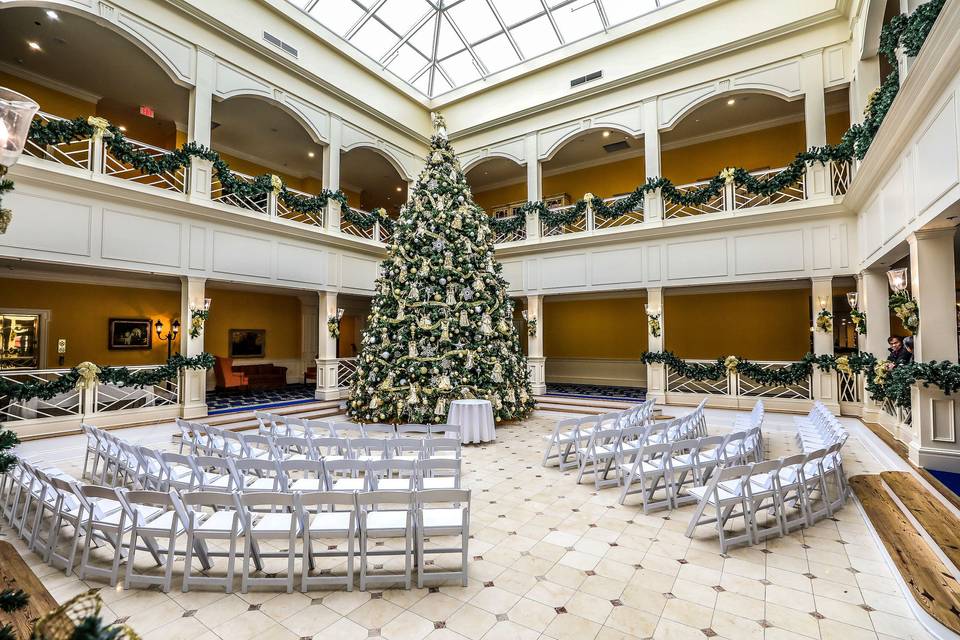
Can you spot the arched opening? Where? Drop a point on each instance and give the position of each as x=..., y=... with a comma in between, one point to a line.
x=371, y=181
x=50, y=56
x=256, y=136
x=605, y=162
x=499, y=185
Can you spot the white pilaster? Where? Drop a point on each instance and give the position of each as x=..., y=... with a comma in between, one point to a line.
x=656, y=372
x=653, y=207
x=193, y=389
x=933, y=285
x=327, y=363
x=874, y=293
x=309, y=321
x=866, y=80
x=824, y=382
x=534, y=183
x=536, y=363
x=199, y=123
x=331, y=172
x=815, y=120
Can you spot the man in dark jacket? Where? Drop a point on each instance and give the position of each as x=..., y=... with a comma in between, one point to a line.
x=898, y=354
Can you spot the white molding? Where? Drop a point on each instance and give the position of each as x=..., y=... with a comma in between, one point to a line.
x=49, y=83
x=132, y=280
x=263, y=162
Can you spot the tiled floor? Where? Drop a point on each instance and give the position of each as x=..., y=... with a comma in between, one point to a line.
x=551, y=559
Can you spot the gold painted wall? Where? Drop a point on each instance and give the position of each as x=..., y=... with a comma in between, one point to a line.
x=602, y=328
x=762, y=325
x=234, y=309
x=80, y=313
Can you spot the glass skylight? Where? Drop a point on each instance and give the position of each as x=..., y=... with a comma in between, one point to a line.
x=436, y=46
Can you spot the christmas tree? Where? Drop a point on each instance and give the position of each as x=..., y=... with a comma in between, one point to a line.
x=441, y=323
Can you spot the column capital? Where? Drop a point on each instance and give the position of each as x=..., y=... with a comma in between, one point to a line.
x=937, y=232
x=821, y=279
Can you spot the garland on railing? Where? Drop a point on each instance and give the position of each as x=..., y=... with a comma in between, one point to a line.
x=367, y=220
x=508, y=226
x=117, y=376
x=906, y=31
x=884, y=380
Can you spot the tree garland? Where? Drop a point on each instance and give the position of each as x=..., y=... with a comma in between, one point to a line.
x=508, y=226
x=117, y=376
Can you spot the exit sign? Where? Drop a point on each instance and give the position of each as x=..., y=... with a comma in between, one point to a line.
x=146, y=111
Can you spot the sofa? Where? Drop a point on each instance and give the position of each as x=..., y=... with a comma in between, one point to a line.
x=253, y=376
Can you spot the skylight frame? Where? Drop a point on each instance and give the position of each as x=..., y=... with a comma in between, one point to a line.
x=437, y=16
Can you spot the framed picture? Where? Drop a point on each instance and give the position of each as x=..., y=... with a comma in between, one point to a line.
x=248, y=343
x=130, y=333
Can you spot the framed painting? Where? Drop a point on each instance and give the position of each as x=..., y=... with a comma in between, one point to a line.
x=247, y=343
x=130, y=333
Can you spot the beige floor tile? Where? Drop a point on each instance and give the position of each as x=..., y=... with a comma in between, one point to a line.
x=834, y=630
x=637, y=623
x=589, y=607
x=407, y=626
x=471, y=621
x=375, y=614
x=688, y=613
x=532, y=614
x=572, y=627
x=310, y=620
x=437, y=607
x=792, y=620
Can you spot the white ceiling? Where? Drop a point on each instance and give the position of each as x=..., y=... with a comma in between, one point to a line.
x=436, y=46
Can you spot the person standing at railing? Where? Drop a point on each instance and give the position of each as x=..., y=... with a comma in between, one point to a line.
x=898, y=353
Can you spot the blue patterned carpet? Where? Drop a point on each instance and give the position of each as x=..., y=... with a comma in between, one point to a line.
x=951, y=480
x=227, y=401
x=595, y=391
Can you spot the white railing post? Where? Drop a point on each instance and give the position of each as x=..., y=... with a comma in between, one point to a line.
x=376, y=231
x=88, y=401
x=97, y=155
x=589, y=223
x=653, y=206
x=272, y=204
x=729, y=196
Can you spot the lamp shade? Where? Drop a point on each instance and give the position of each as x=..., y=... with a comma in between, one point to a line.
x=158, y=326
x=16, y=114
x=525, y=314
x=339, y=314
x=206, y=304
x=852, y=298
x=175, y=327
x=897, y=279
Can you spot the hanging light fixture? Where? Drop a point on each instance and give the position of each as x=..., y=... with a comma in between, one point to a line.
x=525, y=314
x=16, y=113
x=852, y=298
x=897, y=279
x=206, y=304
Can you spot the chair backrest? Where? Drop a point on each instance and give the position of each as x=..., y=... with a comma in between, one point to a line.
x=458, y=497
x=367, y=446
x=318, y=429
x=347, y=430
x=266, y=499
x=344, y=468
x=132, y=500
x=740, y=473
x=326, y=447
x=393, y=469
x=401, y=445
x=445, y=430
x=169, y=459
x=295, y=444
x=88, y=494
x=656, y=451
x=372, y=429
x=221, y=499
x=259, y=468
x=265, y=422
x=395, y=499
x=186, y=433
x=316, y=500
x=608, y=421
x=434, y=446
x=406, y=429
x=439, y=468
x=306, y=468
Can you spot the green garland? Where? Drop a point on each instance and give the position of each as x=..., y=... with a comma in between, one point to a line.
x=508, y=226
x=859, y=319
x=905, y=308
x=365, y=220
x=117, y=376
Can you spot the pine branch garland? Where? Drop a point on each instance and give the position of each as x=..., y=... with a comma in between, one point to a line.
x=12, y=599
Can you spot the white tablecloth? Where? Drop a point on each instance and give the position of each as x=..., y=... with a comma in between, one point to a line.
x=475, y=418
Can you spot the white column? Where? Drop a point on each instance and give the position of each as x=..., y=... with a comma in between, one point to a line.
x=866, y=79
x=815, y=121
x=309, y=321
x=536, y=363
x=656, y=372
x=874, y=295
x=193, y=382
x=653, y=207
x=331, y=172
x=933, y=285
x=327, y=363
x=824, y=382
x=534, y=183
x=199, y=123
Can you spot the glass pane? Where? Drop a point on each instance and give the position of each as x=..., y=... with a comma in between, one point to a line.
x=440, y=85
x=422, y=83
x=513, y=11
x=474, y=19
x=401, y=15
x=460, y=68
x=374, y=39
x=622, y=10
x=337, y=15
x=535, y=37
x=577, y=20
x=449, y=42
x=496, y=53
x=422, y=40
x=19, y=341
x=407, y=62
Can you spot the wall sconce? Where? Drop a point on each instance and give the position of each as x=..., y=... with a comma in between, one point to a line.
x=171, y=335
x=198, y=317
x=16, y=114
x=852, y=299
x=531, y=321
x=897, y=279
x=653, y=321
x=822, y=301
x=333, y=323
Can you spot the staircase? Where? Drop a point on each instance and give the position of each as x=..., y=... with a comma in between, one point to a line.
x=585, y=406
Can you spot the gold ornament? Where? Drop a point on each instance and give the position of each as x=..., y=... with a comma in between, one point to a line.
x=728, y=175
x=100, y=126
x=88, y=373
x=276, y=184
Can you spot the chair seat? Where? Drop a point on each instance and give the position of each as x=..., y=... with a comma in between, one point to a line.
x=348, y=484
x=395, y=484
x=306, y=484
x=443, y=455
x=407, y=456
x=448, y=482
x=330, y=522
x=275, y=523
x=387, y=520
x=644, y=468
x=262, y=484
x=218, y=481
x=162, y=523
x=704, y=493
x=442, y=518
x=683, y=461
x=218, y=522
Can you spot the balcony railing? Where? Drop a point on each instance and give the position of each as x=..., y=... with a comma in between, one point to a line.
x=64, y=405
x=634, y=216
x=170, y=180
x=287, y=213
x=259, y=204
x=108, y=397
x=374, y=232
x=77, y=154
x=510, y=236
x=735, y=384
x=576, y=226
x=716, y=204
x=346, y=371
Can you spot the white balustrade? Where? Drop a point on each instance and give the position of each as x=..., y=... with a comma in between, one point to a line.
x=66, y=404
x=260, y=204
x=840, y=176
x=634, y=216
x=346, y=371
x=77, y=154
x=108, y=397
x=851, y=386
x=577, y=225
x=716, y=204
x=736, y=384
x=794, y=192
x=170, y=180
x=677, y=383
x=351, y=229
x=510, y=236
x=288, y=213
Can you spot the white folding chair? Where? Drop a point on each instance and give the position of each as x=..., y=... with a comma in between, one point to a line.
x=378, y=430
x=723, y=495
x=303, y=475
x=599, y=457
x=368, y=449
x=442, y=513
x=421, y=430
x=221, y=522
x=253, y=476
x=346, y=475
x=268, y=516
x=392, y=475
x=152, y=514
x=763, y=495
x=66, y=511
x=317, y=429
x=651, y=471
x=446, y=431
x=438, y=473
x=111, y=527
x=403, y=448
x=561, y=443
x=327, y=515
x=214, y=473
x=448, y=448
x=386, y=514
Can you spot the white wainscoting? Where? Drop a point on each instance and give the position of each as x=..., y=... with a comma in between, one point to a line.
x=604, y=371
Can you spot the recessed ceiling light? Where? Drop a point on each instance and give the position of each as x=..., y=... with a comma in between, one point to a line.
x=399, y=188
x=122, y=128
x=311, y=154
x=732, y=101
x=53, y=15
x=606, y=134
x=33, y=45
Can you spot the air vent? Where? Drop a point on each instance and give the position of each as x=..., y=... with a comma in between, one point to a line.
x=613, y=147
x=280, y=44
x=590, y=77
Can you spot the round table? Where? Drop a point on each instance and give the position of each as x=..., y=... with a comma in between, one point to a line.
x=475, y=418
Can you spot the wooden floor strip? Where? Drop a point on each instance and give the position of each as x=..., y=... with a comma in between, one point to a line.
x=938, y=521
x=932, y=584
x=15, y=574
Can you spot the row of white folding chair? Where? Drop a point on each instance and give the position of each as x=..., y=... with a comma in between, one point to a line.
x=819, y=428
x=753, y=419
x=279, y=425
x=571, y=433
x=797, y=490
x=673, y=465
